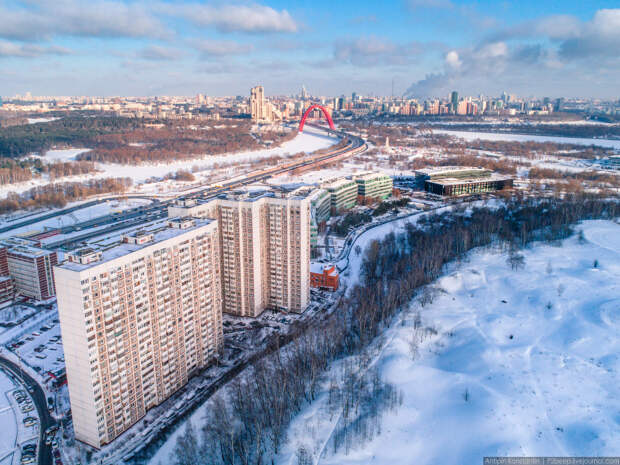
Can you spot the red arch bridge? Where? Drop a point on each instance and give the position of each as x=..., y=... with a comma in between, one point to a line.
x=311, y=109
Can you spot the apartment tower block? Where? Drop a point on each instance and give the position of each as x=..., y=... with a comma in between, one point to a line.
x=138, y=318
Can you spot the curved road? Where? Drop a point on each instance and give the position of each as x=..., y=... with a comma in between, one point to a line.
x=40, y=402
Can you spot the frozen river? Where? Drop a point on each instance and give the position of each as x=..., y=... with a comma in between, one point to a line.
x=472, y=135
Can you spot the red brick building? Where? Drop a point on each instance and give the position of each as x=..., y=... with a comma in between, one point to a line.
x=323, y=276
x=7, y=287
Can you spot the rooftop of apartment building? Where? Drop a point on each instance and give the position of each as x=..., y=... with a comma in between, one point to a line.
x=103, y=250
x=252, y=194
x=24, y=247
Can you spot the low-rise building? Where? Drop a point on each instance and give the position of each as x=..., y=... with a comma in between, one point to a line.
x=452, y=181
x=324, y=276
x=374, y=186
x=343, y=194
x=31, y=268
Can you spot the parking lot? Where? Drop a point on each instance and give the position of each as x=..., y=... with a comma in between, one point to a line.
x=20, y=423
x=41, y=349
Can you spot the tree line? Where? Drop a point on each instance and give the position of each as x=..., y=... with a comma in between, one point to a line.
x=57, y=195
x=591, y=176
x=15, y=171
x=248, y=423
x=173, y=141
x=70, y=131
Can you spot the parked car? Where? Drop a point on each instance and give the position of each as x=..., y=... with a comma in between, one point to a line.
x=29, y=421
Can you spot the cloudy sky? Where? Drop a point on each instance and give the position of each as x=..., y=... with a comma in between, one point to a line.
x=424, y=47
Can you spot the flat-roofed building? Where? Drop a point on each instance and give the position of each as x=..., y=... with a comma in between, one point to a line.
x=461, y=180
x=374, y=185
x=139, y=315
x=265, y=248
x=455, y=172
x=343, y=194
x=4, y=261
x=320, y=209
x=31, y=268
x=7, y=289
x=465, y=186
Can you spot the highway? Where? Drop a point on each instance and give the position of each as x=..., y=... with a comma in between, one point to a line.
x=351, y=145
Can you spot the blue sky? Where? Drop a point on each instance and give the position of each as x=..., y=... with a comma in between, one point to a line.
x=426, y=47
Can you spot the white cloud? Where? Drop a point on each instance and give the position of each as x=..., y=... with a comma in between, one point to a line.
x=9, y=49
x=252, y=18
x=222, y=47
x=368, y=51
x=95, y=18
x=453, y=60
x=159, y=53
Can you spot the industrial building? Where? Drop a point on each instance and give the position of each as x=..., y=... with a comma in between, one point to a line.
x=138, y=317
x=374, y=186
x=453, y=181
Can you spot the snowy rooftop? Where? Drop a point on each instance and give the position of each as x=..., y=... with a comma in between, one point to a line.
x=156, y=231
x=467, y=180
x=319, y=268
x=24, y=247
x=337, y=183
x=370, y=176
x=444, y=170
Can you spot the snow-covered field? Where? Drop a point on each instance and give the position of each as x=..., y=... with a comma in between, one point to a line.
x=525, y=363
x=472, y=135
x=7, y=420
x=310, y=140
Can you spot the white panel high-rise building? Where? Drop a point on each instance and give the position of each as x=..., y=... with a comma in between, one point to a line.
x=265, y=249
x=138, y=318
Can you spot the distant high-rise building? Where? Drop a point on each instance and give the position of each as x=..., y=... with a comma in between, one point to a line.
x=260, y=109
x=304, y=93
x=257, y=103
x=454, y=101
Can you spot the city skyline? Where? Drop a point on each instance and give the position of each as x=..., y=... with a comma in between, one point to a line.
x=420, y=48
